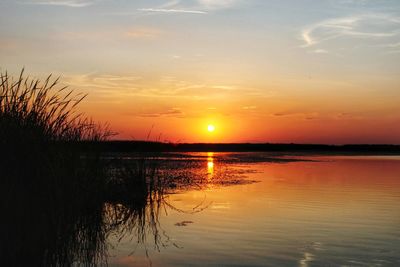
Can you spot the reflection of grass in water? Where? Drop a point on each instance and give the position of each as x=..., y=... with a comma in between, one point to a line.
x=135, y=200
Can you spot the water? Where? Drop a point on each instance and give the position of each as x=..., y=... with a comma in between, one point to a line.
x=326, y=211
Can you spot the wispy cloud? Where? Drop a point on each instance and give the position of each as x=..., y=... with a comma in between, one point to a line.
x=249, y=107
x=143, y=33
x=217, y=4
x=107, y=82
x=125, y=86
x=165, y=10
x=108, y=35
x=351, y=2
x=367, y=26
x=299, y=114
x=66, y=3
x=395, y=45
x=200, y=6
x=390, y=48
x=320, y=51
x=164, y=112
x=170, y=4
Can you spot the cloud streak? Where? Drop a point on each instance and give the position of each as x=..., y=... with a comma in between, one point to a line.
x=217, y=4
x=200, y=7
x=165, y=10
x=109, y=85
x=168, y=112
x=65, y=3
x=370, y=26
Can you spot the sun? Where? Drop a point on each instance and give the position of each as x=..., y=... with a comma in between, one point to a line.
x=211, y=128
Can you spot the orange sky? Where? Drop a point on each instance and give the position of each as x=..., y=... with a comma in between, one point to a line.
x=260, y=71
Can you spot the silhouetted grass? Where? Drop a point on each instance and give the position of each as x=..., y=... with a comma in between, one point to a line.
x=39, y=128
x=49, y=186
x=59, y=199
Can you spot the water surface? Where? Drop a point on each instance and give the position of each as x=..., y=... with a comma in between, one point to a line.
x=325, y=211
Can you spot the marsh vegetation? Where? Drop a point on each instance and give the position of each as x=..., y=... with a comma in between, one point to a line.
x=60, y=201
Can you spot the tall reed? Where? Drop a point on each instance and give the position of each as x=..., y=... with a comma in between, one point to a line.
x=49, y=185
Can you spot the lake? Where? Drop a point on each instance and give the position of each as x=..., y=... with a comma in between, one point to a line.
x=296, y=211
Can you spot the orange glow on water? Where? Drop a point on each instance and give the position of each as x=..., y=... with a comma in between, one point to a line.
x=327, y=204
x=210, y=165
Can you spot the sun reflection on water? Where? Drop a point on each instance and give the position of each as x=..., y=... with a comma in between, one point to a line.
x=210, y=165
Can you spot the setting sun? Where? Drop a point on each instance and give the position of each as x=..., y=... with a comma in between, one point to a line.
x=211, y=128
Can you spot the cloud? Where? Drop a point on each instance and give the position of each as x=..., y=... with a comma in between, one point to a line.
x=299, y=114
x=224, y=87
x=65, y=3
x=351, y=2
x=164, y=10
x=143, y=33
x=170, y=4
x=281, y=114
x=217, y=4
x=395, y=45
x=200, y=6
x=104, y=83
x=320, y=51
x=367, y=26
x=391, y=48
x=108, y=35
x=167, y=112
x=249, y=107
x=122, y=86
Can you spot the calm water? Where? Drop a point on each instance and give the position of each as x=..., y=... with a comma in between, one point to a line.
x=333, y=211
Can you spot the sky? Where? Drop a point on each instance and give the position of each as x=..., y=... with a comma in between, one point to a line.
x=300, y=71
